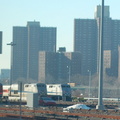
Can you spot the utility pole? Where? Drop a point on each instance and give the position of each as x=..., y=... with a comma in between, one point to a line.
x=100, y=105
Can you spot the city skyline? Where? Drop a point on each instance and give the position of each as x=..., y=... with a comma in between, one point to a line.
x=60, y=14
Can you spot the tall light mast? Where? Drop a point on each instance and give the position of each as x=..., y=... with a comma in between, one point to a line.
x=100, y=105
x=11, y=64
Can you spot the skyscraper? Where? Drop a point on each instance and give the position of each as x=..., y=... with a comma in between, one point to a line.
x=29, y=41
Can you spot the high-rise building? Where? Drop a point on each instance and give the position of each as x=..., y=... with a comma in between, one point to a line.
x=20, y=56
x=97, y=13
x=107, y=58
x=0, y=42
x=85, y=41
x=29, y=41
x=47, y=67
x=68, y=65
x=48, y=39
x=87, y=36
x=73, y=62
x=58, y=67
x=118, y=62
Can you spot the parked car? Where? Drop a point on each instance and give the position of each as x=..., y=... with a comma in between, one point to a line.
x=76, y=106
x=46, y=101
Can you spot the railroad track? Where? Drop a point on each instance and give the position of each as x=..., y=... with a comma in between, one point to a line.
x=56, y=112
x=89, y=102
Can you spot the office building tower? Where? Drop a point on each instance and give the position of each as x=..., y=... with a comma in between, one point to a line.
x=29, y=41
x=0, y=42
x=58, y=67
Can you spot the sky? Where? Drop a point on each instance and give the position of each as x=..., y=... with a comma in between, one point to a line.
x=50, y=13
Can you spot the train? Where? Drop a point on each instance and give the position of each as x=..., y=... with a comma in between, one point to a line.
x=59, y=91
x=1, y=91
x=55, y=91
x=12, y=92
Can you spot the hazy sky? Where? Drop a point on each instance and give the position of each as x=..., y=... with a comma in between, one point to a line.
x=53, y=13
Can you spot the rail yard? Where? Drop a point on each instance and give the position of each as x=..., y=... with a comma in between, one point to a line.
x=12, y=108
x=13, y=111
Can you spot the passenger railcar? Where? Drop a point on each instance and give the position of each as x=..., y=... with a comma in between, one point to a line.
x=12, y=93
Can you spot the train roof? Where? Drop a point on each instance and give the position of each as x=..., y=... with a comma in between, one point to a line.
x=34, y=84
x=58, y=84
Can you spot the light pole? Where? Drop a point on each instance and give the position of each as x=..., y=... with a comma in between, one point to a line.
x=11, y=64
x=89, y=83
x=69, y=73
x=100, y=105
